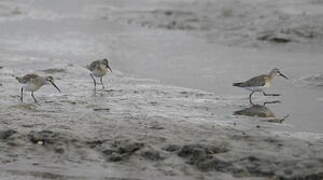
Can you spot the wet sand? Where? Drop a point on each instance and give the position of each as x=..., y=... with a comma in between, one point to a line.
x=169, y=111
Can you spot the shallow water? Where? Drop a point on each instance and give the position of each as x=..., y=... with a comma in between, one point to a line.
x=48, y=35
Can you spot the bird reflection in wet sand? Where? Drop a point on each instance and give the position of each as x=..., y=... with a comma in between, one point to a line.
x=257, y=110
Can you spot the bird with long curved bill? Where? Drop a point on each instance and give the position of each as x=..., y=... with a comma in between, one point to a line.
x=33, y=82
x=259, y=83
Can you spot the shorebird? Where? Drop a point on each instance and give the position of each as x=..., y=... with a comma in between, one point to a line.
x=99, y=68
x=259, y=83
x=32, y=82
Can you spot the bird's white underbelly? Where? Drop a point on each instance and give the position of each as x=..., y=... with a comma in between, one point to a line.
x=97, y=73
x=256, y=88
x=30, y=87
x=259, y=88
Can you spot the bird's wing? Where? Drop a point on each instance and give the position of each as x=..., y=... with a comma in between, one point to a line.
x=256, y=81
x=26, y=78
x=93, y=65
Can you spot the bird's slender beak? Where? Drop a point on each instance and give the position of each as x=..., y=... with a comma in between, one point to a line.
x=55, y=86
x=282, y=75
x=109, y=68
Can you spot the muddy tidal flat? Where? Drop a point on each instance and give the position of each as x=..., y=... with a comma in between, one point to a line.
x=169, y=110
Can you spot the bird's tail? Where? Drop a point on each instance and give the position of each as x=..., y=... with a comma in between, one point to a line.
x=239, y=84
x=19, y=79
x=87, y=67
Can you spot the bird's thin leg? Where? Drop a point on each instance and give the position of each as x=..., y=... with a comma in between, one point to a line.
x=94, y=82
x=271, y=102
x=250, y=95
x=32, y=95
x=101, y=82
x=266, y=94
x=22, y=94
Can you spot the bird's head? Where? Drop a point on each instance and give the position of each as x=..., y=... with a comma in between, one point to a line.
x=276, y=72
x=106, y=63
x=50, y=80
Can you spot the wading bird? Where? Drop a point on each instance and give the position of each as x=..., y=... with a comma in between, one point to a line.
x=32, y=82
x=259, y=83
x=99, y=68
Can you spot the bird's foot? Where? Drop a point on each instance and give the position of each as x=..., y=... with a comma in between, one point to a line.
x=272, y=102
x=265, y=94
x=275, y=94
